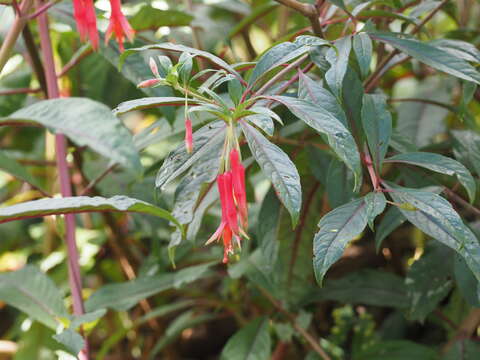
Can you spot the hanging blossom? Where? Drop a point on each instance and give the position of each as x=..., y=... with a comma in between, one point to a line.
x=233, y=200
x=84, y=14
x=85, y=17
x=118, y=25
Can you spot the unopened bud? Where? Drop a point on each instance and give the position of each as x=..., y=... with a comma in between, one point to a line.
x=148, y=83
x=188, y=136
x=153, y=67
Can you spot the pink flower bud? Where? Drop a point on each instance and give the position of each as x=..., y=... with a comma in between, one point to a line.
x=188, y=136
x=148, y=83
x=153, y=67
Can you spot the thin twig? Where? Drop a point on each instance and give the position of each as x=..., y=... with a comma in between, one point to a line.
x=280, y=74
x=95, y=181
x=373, y=79
x=462, y=202
x=20, y=91
x=425, y=101
x=306, y=335
x=74, y=61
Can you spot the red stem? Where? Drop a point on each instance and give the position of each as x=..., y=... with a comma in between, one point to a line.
x=62, y=167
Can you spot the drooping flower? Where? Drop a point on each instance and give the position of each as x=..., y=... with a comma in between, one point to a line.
x=228, y=227
x=118, y=25
x=85, y=17
x=188, y=135
x=238, y=179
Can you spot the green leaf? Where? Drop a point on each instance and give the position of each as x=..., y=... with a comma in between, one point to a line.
x=467, y=148
x=323, y=121
x=466, y=282
x=463, y=349
x=376, y=203
x=12, y=167
x=278, y=168
x=363, y=48
x=392, y=219
x=152, y=102
x=367, y=286
x=32, y=292
x=268, y=228
x=337, y=228
x=150, y=18
x=252, y=342
x=312, y=91
x=123, y=296
x=205, y=140
x=86, y=123
x=86, y=318
x=432, y=56
x=428, y=281
x=397, y=350
x=276, y=56
x=72, y=341
x=79, y=204
x=377, y=124
x=461, y=49
x=181, y=48
x=440, y=164
x=435, y=216
x=340, y=183
x=337, y=57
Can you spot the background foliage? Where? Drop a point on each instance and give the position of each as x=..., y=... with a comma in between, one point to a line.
x=358, y=124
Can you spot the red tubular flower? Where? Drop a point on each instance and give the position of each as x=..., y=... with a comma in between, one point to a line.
x=188, y=135
x=85, y=17
x=118, y=25
x=238, y=179
x=228, y=226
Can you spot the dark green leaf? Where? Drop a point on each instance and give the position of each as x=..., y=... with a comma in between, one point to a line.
x=72, y=341
x=392, y=219
x=428, y=281
x=442, y=165
x=463, y=349
x=325, y=122
x=85, y=122
x=467, y=147
x=397, y=350
x=362, y=45
x=32, y=292
x=377, y=124
x=370, y=287
x=461, y=49
x=466, y=282
x=252, y=342
x=12, y=167
x=150, y=18
x=278, y=168
x=432, y=56
x=376, y=203
x=312, y=91
x=268, y=227
x=235, y=90
x=435, y=216
x=337, y=57
x=179, y=160
x=337, y=228
x=340, y=183
x=122, y=296
x=79, y=204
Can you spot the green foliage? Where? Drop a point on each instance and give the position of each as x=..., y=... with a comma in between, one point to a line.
x=288, y=127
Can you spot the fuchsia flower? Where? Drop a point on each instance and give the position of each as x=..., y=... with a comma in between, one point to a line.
x=188, y=135
x=231, y=187
x=238, y=172
x=118, y=25
x=148, y=83
x=85, y=17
